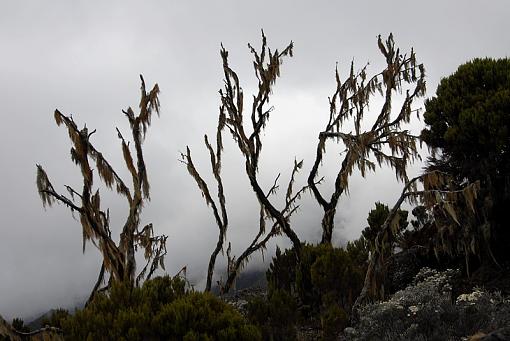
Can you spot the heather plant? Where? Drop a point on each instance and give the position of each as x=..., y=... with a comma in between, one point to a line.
x=324, y=276
x=275, y=315
x=379, y=136
x=333, y=320
x=56, y=318
x=162, y=309
x=317, y=291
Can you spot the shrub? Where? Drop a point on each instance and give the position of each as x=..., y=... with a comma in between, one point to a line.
x=318, y=292
x=333, y=321
x=160, y=309
x=202, y=316
x=336, y=278
x=19, y=325
x=425, y=311
x=56, y=318
x=276, y=315
x=325, y=276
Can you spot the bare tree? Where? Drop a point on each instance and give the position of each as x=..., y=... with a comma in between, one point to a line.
x=231, y=117
x=118, y=260
x=384, y=140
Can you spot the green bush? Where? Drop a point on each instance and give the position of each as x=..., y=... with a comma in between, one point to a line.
x=336, y=278
x=276, y=315
x=56, y=318
x=202, y=316
x=467, y=123
x=318, y=292
x=159, y=310
x=325, y=276
x=333, y=321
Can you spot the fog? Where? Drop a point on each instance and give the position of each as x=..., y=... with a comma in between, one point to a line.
x=84, y=58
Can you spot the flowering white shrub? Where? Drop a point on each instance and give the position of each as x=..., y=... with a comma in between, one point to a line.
x=471, y=298
x=425, y=311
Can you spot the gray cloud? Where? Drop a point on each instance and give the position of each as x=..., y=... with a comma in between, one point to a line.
x=84, y=58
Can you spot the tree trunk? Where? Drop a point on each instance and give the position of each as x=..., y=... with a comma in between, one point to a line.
x=364, y=294
x=328, y=223
x=273, y=212
x=212, y=262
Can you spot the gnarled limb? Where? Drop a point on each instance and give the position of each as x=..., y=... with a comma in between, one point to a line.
x=231, y=117
x=118, y=260
x=250, y=145
x=350, y=101
x=99, y=281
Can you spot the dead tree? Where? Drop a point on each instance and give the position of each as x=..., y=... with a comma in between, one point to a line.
x=231, y=117
x=118, y=260
x=382, y=142
x=447, y=202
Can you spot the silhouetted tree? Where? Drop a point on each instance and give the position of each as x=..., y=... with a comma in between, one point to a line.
x=376, y=218
x=467, y=130
x=118, y=259
x=19, y=325
x=231, y=118
x=382, y=142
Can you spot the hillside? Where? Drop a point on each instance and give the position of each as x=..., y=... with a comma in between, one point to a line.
x=7, y=333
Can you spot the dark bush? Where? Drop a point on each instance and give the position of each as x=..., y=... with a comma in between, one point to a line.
x=19, y=325
x=333, y=320
x=336, y=278
x=159, y=310
x=202, y=316
x=325, y=276
x=56, y=318
x=318, y=292
x=276, y=315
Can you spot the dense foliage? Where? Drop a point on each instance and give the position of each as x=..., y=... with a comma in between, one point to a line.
x=319, y=290
x=325, y=275
x=276, y=315
x=19, y=325
x=468, y=123
x=375, y=220
x=159, y=310
x=469, y=119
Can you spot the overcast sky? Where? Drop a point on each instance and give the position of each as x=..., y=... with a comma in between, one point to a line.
x=84, y=58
